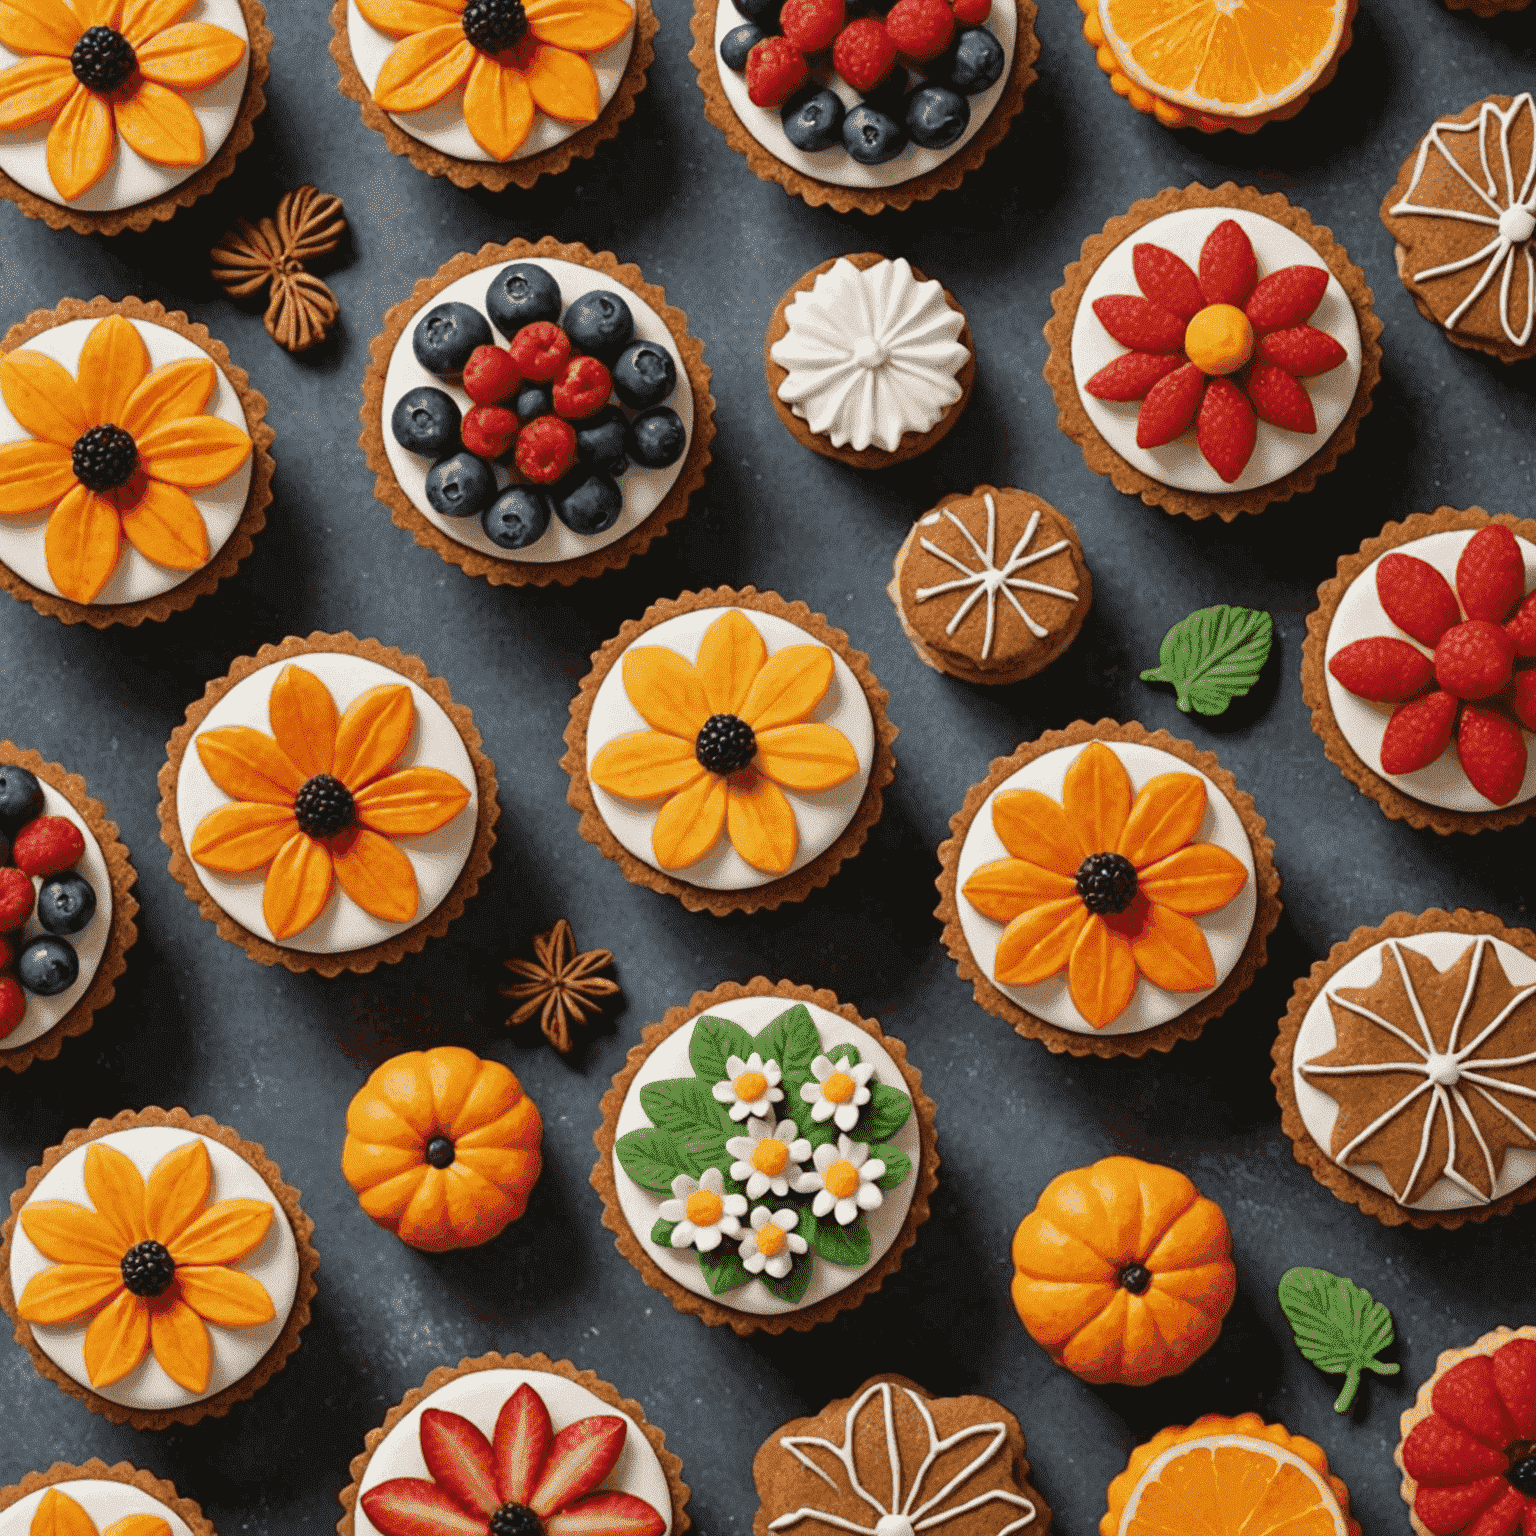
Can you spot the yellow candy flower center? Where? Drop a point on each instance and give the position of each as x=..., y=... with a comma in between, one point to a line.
x=838, y=1087
x=770, y=1240
x=841, y=1179
x=1219, y=339
x=751, y=1086
x=769, y=1156
x=703, y=1209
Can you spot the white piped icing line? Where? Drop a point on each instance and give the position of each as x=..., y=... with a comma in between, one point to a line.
x=870, y=355
x=905, y=1517
x=1510, y=199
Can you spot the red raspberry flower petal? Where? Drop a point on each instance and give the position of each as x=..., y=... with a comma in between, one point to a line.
x=1441, y=1452
x=1228, y=268
x=1417, y=598
x=1522, y=628
x=1383, y=669
x=1493, y=757
x=1170, y=407
x=1524, y=706
x=1467, y=1396
x=1474, y=660
x=1280, y=400
x=1490, y=576
x=1227, y=429
x=1514, y=1364
x=1417, y=734
x=1448, y=1511
x=1303, y=350
x=1131, y=376
x=1140, y=324
x=1286, y=298
x=1168, y=280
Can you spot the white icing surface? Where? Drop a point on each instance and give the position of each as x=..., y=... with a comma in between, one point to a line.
x=478, y=1396
x=1226, y=930
x=1318, y=1036
x=131, y=179
x=1358, y=617
x=236, y=1351
x=443, y=127
x=137, y=577
x=436, y=858
x=820, y=818
x=836, y=165
x=90, y=944
x=104, y=1501
x=642, y=1209
x=643, y=488
x=1180, y=464
x=870, y=354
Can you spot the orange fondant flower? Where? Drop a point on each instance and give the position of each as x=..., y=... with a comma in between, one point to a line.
x=729, y=731
x=59, y=1515
x=95, y=69
x=113, y=452
x=315, y=803
x=148, y=1265
x=1104, y=887
x=514, y=58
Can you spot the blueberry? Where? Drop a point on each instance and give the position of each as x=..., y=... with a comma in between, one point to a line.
x=813, y=119
x=588, y=501
x=936, y=116
x=737, y=44
x=600, y=440
x=600, y=323
x=426, y=421
x=532, y=400
x=871, y=137
x=972, y=62
x=763, y=13
x=21, y=796
x=657, y=437
x=461, y=486
x=520, y=294
x=517, y=518
x=65, y=903
x=446, y=335
x=644, y=375
x=48, y=966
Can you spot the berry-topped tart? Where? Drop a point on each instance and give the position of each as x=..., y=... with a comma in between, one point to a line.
x=536, y=413
x=864, y=104
x=157, y=1268
x=66, y=907
x=98, y=1500
x=766, y=1156
x=1108, y=890
x=115, y=113
x=1213, y=351
x=515, y=1445
x=730, y=749
x=327, y=805
x=1417, y=668
x=493, y=93
x=134, y=462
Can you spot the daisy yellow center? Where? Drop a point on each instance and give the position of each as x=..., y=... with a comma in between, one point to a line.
x=838, y=1087
x=841, y=1179
x=751, y=1086
x=703, y=1209
x=771, y=1240
x=769, y=1156
x=1219, y=339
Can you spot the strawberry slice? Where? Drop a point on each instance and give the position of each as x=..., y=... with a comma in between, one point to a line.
x=1490, y=576
x=1524, y=706
x=1303, y=350
x=1417, y=598
x=1493, y=757
x=1131, y=376
x=1168, y=280
x=1286, y=298
x=1140, y=324
x=1227, y=429
x=1456, y=1508
x=1383, y=669
x=520, y=1445
x=1514, y=1375
x=411, y=1506
x=1418, y=733
x=459, y=1458
x=1170, y=407
x=607, y=1514
x=1228, y=268
x=1280, y=400
x=581, y=1457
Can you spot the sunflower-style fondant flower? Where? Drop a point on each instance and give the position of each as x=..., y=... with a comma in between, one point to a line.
x=315, y=803
x=148, y=1265
x=59, y=1515
x=514, y=59
x=1104, y=886
x=729, y=734
x=99, y=69
x=113, y=451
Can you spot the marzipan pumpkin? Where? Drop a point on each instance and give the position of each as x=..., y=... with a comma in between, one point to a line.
x=442, y=1148
x=1123, y=1271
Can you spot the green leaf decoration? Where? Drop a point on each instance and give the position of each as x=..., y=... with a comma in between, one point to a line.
x=652, y=1160
x=1339, y=1326
x=661, y=1233
x=1213, y=657
x=793, y=1286
x=898, y=1166
x=849, y=1246
x=723, y=1269
x=697, y=1126
x=887, y=1111
x=713, y=1043
x=792, y=1041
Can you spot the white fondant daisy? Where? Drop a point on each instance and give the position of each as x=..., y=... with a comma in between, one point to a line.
x=767, y=1157
x=751, y=1087
x=704, y=1213
x=771, y=1243
x=839, y=1092
x=843, y=1180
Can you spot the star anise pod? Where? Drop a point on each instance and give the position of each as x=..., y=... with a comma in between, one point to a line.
x=307, y=225
x=559, y=985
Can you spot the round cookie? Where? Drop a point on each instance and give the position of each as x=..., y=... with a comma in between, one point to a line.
x=98, y=1498
x=1488, y=8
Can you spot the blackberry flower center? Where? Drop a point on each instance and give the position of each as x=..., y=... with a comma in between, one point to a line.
x=106, y=456
x=102, y=59
x=1134, y=1278
x=494, y=25
x=323, y=806
x=440, y=1152
x=1106, y=882
x=515, y=1520
x=726, y=744
x=148, y=1268
x=1522, y=1467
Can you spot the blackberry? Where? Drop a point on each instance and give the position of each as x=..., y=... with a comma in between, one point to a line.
x=104, y=457
x=148, y=1268
x=102, y=59
x=726, y=744
x=1106, y=882
x=439, y=1152
x=492, y=25
x=515, y=1520
x=1522, y=1467
x=323, y=806
x=1134, y=1278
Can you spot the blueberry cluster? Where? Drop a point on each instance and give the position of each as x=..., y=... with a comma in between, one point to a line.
x=524, y=303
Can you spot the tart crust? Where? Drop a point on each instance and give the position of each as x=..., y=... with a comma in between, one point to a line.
x=98, y=1471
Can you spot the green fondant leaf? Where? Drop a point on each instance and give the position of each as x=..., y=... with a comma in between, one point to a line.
x=651, y=1159
x=898, y=1166
x=792, y=1287
x=792, y=1041
x=685, y=1110
x=723, y=1269
x=661, y=1233
x=849, y=1246
x=1213, y=656
x=885, y=1114
x=1339, y=1326
x=712, y=1043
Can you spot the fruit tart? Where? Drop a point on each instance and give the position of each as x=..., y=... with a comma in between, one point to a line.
x=98, y=1500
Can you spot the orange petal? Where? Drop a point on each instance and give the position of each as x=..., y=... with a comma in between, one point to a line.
x=411, y=803
x=789, y=687
x=1102, y=976
x=1096, y=796
x=67, y=1291
x=138, y=1525
x=645, y=765
x=376, y=875
x=39, y=26
x=159, y=125
x=666, y=689
x=1038, y=943
x=113, y=363
x=162, y=522
x=42, y=397
x=81, y=144
x=1033, y=827
x=195, y=451
x=564, y=85
x=761, y=823
x=1005, y=888
x=1172, y=953
x=298, y=886
x=239, y=838
x=117, y=1340
x=690, y=824
x=731, y=654
x=423, y=69
x=33, y=475
x=400, y=18
x=808, y=757
x=34, y=90
x=224, y=1296
x=1197, y=879
x=302, y=715
x=172, y=391
x=248, y=765
x=177, y=1190
x=142, y=19
x=58, y=1515
x=116, y=1189
x=1166, y=815
x=97, y=13
x=179, y=1339
x=585, y=25
x=226, y=1231
x=82, y=544
x=373, y=732
x=190, y=57
x=72, y=1234
x=498, y=107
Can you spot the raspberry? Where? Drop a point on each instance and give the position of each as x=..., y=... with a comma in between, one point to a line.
x=1383, y=669
x=1417, y=598
x=1492, y=753
x=1227, y=429
x=1490, y=576
x=46, y=846
x=1228, y=270
x=1280, y=400
x=1440, y=1447
x=1302, y=350
x=16, y=897
x=1170, y=407
x=583, y=389
x=1131, y=377
x=1418, y=733
x=811, y=25
x=1168, y=280
x=1474, y=660
x=1140, y=324
x=776, y=69
x=546, y=448
x=864, y=53
x=1522, y=628
x=540, y=350
x=1286, y=298
x=920, y=28
x=490, y=375
x=1524, y=702
x=13, y=1005
x=971, y=13
x=489, y=430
